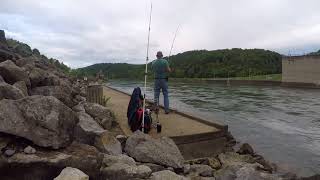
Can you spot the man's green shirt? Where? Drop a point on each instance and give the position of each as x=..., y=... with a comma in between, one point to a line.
x=159, y=67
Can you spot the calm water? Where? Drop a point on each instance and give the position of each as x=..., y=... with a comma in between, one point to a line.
x=282, y=124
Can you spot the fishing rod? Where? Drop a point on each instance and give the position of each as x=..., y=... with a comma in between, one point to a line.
x=146, y=70
x=174, y=39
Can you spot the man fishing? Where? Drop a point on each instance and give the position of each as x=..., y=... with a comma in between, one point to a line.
x=161, y=69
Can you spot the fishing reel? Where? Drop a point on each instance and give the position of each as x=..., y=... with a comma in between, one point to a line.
x=159, y=127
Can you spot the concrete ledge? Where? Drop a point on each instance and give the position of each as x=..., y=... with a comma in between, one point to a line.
x=300, y=85
x=207, y=148
x=180, y=140
x=217, y=125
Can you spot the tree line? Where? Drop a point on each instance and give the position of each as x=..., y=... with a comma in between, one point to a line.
x=198, y=64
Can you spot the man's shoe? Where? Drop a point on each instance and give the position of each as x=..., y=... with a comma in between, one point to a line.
x=167, y=112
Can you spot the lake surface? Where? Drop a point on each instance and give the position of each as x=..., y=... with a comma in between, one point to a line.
x=282, y=124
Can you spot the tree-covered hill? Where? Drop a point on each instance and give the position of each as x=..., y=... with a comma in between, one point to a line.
x=200, y=64
x=220, y=63
x=111, y=70
x=317, y=53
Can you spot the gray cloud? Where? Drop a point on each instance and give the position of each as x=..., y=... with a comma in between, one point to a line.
x=81, y=32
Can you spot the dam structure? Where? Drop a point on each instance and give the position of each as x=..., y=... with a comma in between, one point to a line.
x=302, y=71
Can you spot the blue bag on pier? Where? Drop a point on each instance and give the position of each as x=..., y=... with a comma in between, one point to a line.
x=135, y=104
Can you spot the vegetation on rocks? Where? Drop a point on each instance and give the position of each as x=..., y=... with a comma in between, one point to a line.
x=25, y=51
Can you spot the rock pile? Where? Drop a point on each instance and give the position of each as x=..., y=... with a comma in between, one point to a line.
x=39, y=126
x=49, y=131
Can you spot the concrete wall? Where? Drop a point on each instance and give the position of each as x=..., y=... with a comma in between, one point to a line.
x=301, y=69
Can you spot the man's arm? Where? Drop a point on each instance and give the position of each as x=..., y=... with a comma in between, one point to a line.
x=168, y=69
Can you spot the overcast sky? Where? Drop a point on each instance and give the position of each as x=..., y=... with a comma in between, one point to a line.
x=85, y=32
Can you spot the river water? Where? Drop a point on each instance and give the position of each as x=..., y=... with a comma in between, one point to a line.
x=282, y=124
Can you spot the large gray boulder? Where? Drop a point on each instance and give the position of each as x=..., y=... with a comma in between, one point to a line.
x=41, y=77
x=236, y=166
x=108, y=144
x=79, y=108
x=27, y=63
x=87, y=129
x=121, y=171
x=45, y=77
x=21, y=85
x=8, y=91
x=101, y=114
x=44, y=120
x=210, y=161
x=123, y=167
x=43, y=63
x=232, y=158
x=70, y=173
x=36, y=75
x=109, y=160
x=12, y=73
x=6, y=54
x=244, y=171
x=201, y=170
x=166, y=174
x=63, y=93
x=246, y=149
x=161, y=151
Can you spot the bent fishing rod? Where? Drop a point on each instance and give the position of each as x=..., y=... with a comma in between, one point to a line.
x=174, y=39
x=146, y=69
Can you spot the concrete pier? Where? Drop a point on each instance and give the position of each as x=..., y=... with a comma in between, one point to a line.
x=194, y=136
